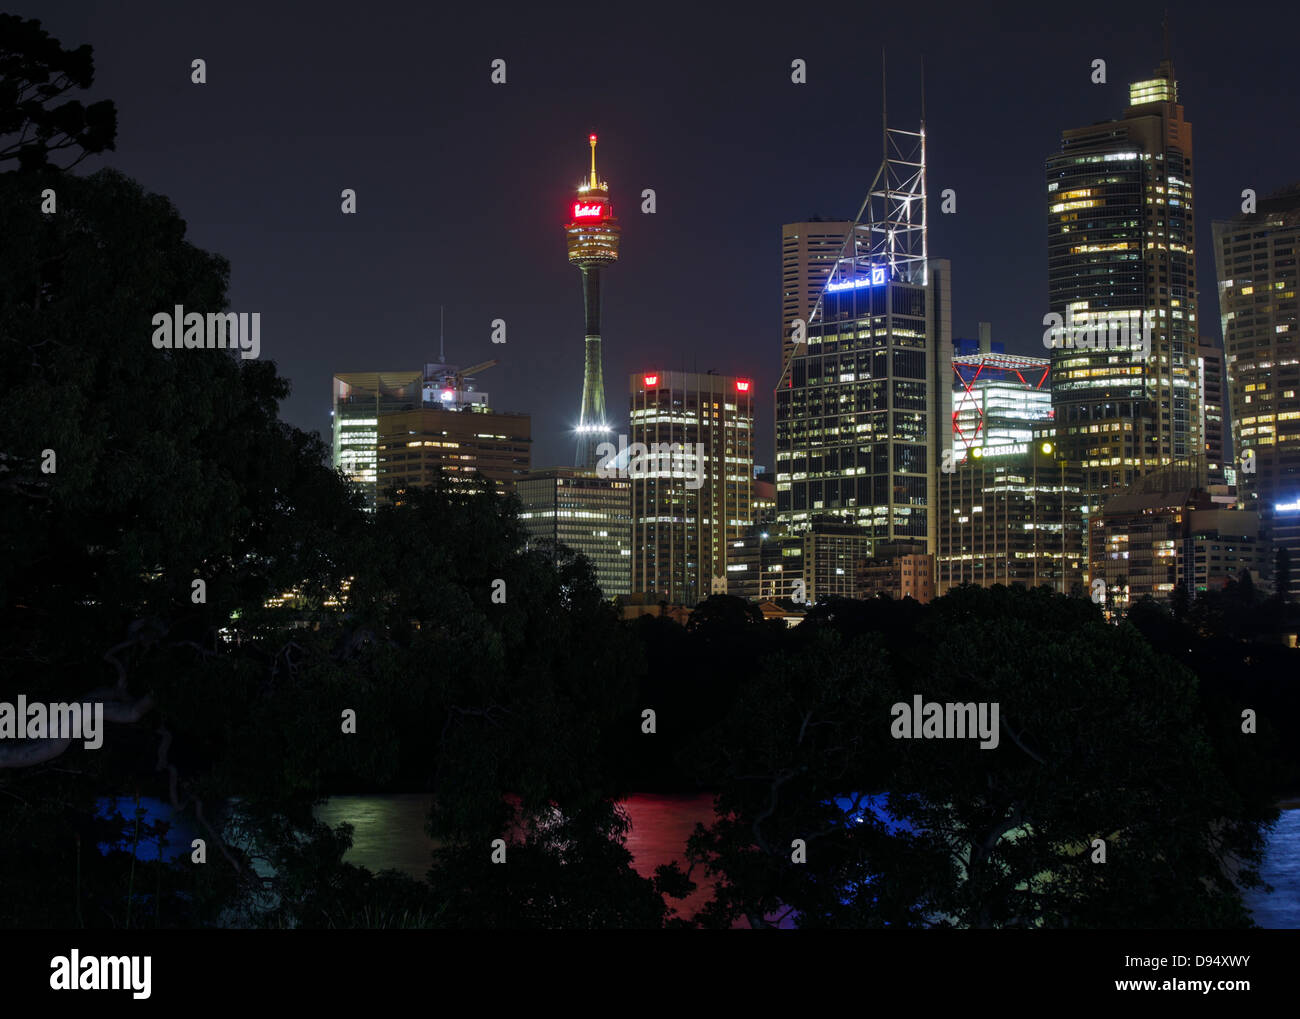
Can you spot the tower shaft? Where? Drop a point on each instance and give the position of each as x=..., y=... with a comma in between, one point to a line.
x=593, y=383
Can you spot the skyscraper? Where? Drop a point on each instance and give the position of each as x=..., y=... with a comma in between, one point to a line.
x=593, y=235
x=809, y=252
x=1121, y=254
x=692, y=489
x=1256, y=257
x=863, y=409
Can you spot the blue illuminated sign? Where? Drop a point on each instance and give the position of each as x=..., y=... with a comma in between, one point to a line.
x=876, y=278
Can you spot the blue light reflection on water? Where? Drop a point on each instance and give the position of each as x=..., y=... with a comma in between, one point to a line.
x=174, y=845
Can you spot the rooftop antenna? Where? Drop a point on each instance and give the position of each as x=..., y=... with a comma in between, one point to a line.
x=884, y=107
x=923, y=93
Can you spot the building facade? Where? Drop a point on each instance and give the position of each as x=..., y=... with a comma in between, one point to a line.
x=1166, y=531
x=898, y=570
x=691, y=466
x=1012, y=514
x=864, y=414
x=360, y=398
x=1256, y=255
x=998, y=399
x=586, y=513
x=809, y=253
x=803, y=566
x=1214, y=416
x=417, y=446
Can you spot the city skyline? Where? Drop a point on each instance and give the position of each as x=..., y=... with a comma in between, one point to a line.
x=363, y=291
x=898, y=615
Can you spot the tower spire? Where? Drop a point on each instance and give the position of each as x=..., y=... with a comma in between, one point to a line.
x=594, y=185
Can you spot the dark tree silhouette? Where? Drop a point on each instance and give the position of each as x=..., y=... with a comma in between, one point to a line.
x=36, y=72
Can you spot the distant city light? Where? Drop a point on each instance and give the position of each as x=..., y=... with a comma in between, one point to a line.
x=1287, y=507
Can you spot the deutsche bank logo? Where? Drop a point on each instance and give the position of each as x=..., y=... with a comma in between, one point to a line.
x=876, y=278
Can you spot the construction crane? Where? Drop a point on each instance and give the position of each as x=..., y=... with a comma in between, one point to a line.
x=461, y=376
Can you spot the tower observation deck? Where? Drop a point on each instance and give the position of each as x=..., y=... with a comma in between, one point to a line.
x=593, y=235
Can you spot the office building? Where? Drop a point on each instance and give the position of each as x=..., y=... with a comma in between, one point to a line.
x=458, y=445
x=586, y=513
x=809, y=252
x=1255, y=255
x=691, y=465
x=1012, y=514
x=998, y=400
x=359, y=400
x=1165, y=530
x=1122, y=285
x=863, y=409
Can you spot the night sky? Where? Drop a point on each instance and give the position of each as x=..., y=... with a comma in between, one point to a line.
x=462, y=185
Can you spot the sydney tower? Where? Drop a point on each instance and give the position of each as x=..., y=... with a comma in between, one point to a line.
x=593, y=242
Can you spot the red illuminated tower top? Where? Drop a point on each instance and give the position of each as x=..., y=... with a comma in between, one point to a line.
x=593, y=231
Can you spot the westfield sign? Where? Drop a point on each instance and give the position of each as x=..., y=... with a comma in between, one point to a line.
x=581, y=211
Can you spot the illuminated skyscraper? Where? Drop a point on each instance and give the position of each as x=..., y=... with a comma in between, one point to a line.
x=864, y=408
x=593, y=234
x=692, y=502
x=1121, y=257
x=1256, y=255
